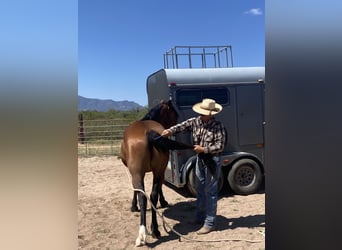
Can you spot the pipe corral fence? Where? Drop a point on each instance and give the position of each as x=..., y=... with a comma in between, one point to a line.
x=100, y=137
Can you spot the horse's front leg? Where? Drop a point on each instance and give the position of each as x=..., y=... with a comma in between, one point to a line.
x=134, y=207
x=162, y=201
x=154, y=201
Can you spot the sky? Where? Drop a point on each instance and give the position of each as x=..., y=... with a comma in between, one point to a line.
x=121, y=43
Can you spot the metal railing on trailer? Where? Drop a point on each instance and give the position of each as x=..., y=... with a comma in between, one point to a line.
x=198, y=57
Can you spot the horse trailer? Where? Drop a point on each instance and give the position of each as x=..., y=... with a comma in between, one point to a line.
x=240, y=90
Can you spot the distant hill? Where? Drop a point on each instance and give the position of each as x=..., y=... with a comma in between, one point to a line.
x=93, y=104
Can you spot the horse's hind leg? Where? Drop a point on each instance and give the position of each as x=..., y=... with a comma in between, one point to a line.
x=163, y=202
x=138, y=185
x=134, y=207
x=154, y=201
x=141, y=240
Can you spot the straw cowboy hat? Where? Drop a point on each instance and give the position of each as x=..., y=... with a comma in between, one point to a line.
x=207, y=107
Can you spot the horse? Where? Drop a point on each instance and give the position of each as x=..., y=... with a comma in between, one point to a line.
x=144, y=150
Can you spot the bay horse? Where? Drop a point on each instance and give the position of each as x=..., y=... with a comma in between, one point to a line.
x=143, y=150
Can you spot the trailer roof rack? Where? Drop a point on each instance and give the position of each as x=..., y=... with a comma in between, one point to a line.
x=198, y=57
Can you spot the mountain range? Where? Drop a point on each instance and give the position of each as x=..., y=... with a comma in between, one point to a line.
x=93, y=104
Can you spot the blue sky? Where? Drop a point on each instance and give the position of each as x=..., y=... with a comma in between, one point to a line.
x=122, y=42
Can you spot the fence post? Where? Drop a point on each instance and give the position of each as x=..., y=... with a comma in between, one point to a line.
x=80, y=129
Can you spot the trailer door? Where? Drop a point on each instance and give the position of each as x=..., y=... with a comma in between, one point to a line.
x=250, y=114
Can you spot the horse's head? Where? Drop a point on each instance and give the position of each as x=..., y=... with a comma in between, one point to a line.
x=164, y=113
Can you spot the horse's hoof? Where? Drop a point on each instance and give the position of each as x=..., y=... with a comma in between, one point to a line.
x=134, y=209
x=164, y=204
x=141, y=240
x=139, y=243
x=156, y=234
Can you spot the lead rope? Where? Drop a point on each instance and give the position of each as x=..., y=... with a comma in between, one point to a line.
x=165, y=224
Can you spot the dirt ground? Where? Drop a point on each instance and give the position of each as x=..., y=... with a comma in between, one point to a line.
x=106, y=222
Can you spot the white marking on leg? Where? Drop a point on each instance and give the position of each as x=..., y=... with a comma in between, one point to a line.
x=141, y=240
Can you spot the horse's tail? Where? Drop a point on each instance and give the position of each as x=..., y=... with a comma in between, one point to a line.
x=165, y=144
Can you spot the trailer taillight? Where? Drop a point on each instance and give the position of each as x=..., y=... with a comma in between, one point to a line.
x=225, y=161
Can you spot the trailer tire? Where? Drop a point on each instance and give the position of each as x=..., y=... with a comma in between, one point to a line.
x=245, y=177
x=192, y=182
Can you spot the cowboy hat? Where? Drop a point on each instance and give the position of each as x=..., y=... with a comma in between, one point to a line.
x=207, y=107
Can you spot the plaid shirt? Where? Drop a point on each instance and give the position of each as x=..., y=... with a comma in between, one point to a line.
x=211, y=135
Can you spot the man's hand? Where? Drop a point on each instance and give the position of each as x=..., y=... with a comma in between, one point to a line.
x=166, y=133
x=198, y=149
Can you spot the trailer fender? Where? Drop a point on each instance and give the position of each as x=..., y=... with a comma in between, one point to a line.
x=190, y=163
x=228, y=160
x=189, y=178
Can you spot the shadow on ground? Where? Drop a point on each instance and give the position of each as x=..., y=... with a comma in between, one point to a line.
x=225, y=192
x=184, y=212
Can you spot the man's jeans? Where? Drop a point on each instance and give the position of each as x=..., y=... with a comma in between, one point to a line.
x=206, y=204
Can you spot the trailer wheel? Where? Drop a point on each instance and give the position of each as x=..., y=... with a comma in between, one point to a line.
x=245, y=177
x=193, y=182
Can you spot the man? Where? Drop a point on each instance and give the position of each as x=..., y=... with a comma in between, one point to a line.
x=208, y=137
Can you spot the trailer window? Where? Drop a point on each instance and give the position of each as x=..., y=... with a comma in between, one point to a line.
x=188, y=97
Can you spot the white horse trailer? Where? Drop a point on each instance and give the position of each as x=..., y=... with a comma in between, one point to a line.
x=240, y=91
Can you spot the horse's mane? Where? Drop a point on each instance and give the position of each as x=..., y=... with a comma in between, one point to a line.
x=154, y=138
x=154, y=112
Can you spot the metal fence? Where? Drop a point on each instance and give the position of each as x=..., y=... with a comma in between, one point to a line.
x=100, y=137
